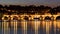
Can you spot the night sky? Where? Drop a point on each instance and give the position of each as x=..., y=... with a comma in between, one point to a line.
x=51, y=3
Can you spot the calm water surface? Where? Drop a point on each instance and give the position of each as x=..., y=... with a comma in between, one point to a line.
x=29, y=27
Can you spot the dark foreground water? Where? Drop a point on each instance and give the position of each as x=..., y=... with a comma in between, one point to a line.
x=29, y=27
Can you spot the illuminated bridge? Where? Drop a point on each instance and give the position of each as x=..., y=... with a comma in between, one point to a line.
x=19, y=25
x=31, y=17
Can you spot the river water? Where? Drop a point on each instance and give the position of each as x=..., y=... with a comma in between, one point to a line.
x=29, y=27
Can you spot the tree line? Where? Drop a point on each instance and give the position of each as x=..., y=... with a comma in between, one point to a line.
x=29, y=9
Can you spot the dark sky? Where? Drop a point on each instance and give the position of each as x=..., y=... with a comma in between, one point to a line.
x=51, y=3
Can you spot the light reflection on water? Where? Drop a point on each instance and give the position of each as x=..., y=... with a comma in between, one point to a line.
x=30, y=27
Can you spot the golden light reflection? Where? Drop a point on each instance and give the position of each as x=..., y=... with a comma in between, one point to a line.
x=24, y=27
x=48, y=25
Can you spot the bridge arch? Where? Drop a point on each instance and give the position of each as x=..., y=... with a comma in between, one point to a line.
x=5, y=17
x=14, y=17
x=58, y=18
x=55, y=16
x=44, y=16
x=26, y=18
x=47, y=18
